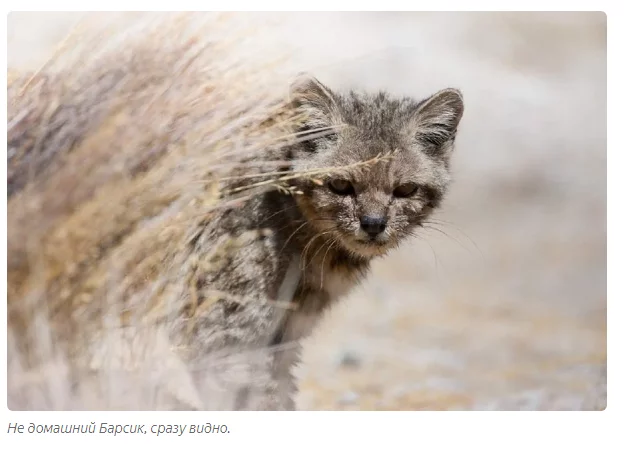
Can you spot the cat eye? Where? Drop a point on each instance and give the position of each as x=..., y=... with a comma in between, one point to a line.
x=405, y=190
x=341, y=187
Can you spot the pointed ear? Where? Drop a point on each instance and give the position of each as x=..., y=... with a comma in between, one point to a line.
x=313, y=99
x=437, y=119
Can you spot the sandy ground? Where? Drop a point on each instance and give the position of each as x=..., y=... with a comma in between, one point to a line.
x=504, y=306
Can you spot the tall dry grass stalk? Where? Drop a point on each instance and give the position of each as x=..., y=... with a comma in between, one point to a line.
x=117, y=147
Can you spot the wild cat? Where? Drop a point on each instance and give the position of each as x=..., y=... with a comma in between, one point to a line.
x=237, y=288
x=389, y=159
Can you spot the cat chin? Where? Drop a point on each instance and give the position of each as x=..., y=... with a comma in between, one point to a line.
x=366, y=249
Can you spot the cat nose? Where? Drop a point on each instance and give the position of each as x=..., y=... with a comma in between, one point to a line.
x=373, y=225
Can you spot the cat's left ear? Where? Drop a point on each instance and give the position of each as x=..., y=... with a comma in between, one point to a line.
x=437, y=119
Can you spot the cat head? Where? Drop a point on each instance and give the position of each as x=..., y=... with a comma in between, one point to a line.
x=384, y=160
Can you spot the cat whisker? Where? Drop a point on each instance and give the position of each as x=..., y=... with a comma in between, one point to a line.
x=293, y=234
x=444, y=233
x=266, y=219
x=426, y=241
x=324, y=261
x=437, y=222
x=304, y=254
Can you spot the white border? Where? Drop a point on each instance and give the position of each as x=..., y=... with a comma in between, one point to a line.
x=421, y=429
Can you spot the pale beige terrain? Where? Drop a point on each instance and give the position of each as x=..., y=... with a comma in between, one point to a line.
x=503, y=307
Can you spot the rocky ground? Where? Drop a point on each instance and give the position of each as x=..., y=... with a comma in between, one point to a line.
x=503, y=306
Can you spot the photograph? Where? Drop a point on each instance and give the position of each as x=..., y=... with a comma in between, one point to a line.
x=306, y=211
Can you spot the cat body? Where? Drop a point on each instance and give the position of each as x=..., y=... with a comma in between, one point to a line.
x=306, y=249
x=119, y=257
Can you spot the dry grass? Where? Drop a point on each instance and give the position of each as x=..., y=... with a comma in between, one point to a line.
x=117, y=147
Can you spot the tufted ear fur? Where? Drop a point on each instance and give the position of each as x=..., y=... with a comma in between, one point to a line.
x=316, y=105
x=437, y=119
x=308, y=92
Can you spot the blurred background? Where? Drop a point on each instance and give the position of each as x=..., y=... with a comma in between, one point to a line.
x=503, y=306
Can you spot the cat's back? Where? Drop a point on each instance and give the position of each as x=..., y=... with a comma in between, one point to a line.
x=112, y=179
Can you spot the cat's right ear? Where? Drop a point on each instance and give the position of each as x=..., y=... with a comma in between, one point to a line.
x=315, y=106
x=311, y=97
